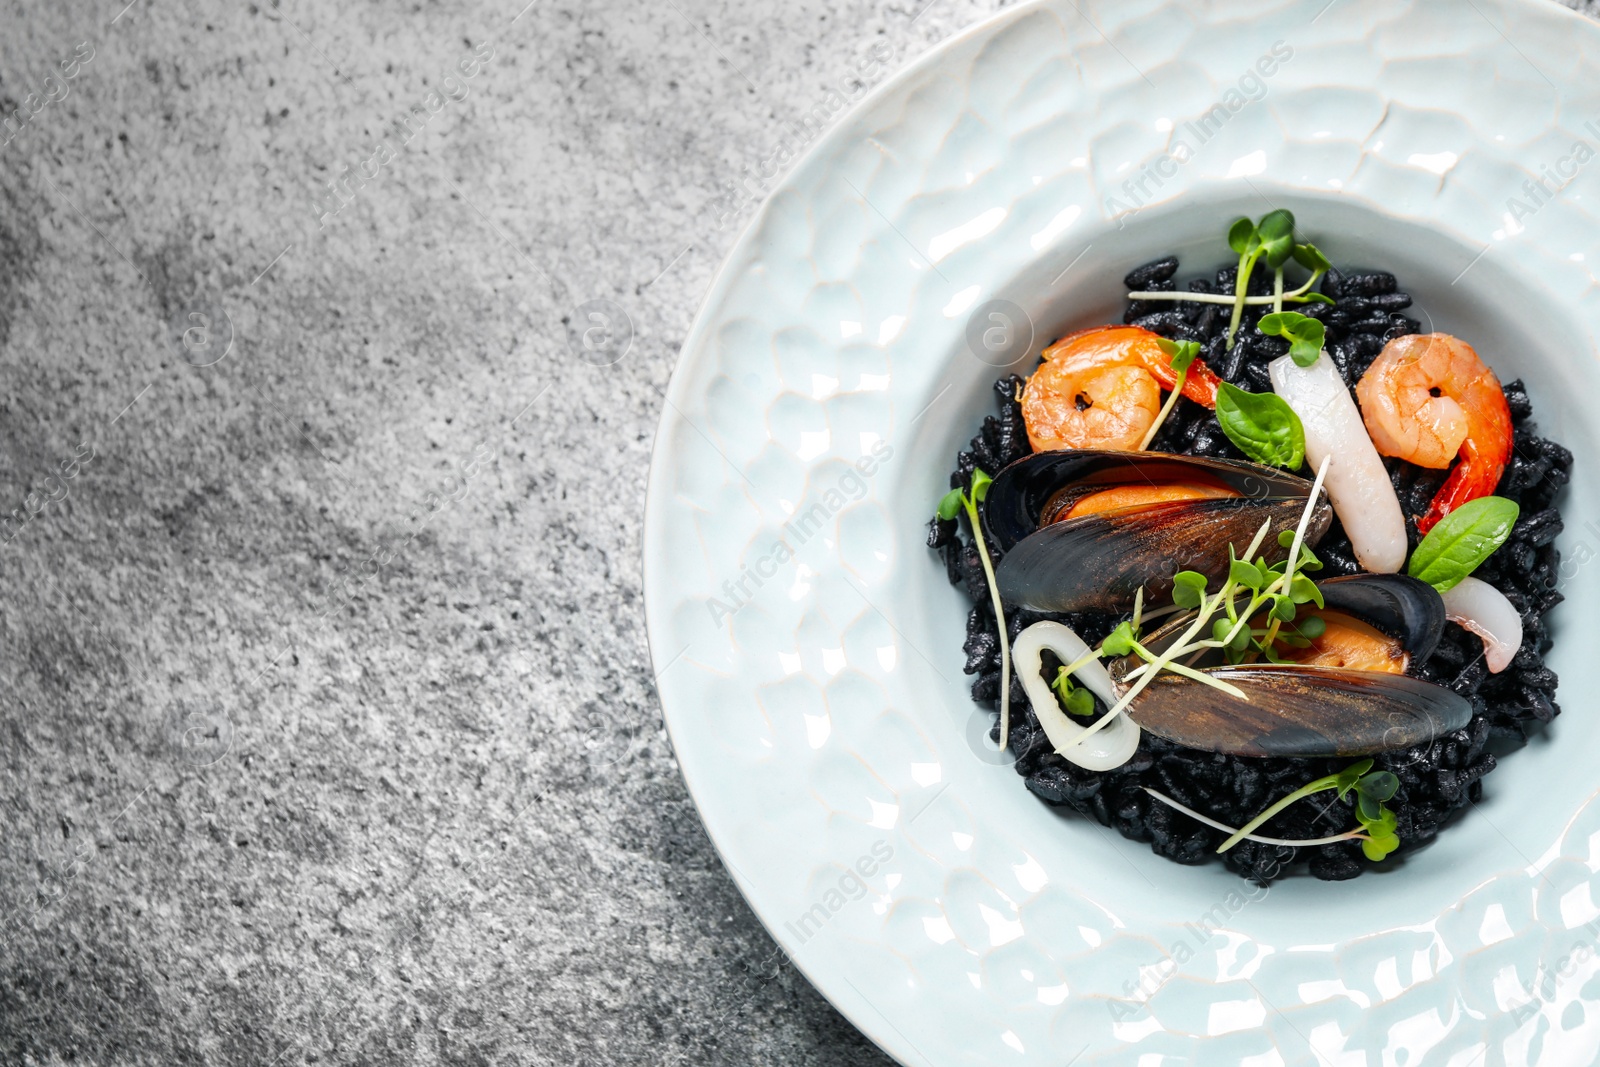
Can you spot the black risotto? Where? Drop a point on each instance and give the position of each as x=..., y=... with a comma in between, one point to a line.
x=1436, y=779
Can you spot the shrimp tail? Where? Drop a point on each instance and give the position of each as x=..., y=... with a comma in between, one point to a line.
x=1483, y=458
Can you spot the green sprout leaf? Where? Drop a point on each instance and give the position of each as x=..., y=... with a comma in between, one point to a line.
x=1346, y=779
x=1262, y=425
x=950, y=505
x=1246, y=574
x=1311, y=627
x=1462, y=540
x=1188, y=587
x=1283, y=607
x=1304, y=334
x=1119, y=642
x=1303, y=590
x=1077, y=700
x=1312, y=259
x=980, y=484
x=1308, y=558
x=1315, y=298
x=1181, y=353
x=1379, y=785
x=1240, y=234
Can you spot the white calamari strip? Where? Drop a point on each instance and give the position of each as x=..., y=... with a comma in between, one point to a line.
x=1358, y=483
x=1480, y=608
x=1104, y=750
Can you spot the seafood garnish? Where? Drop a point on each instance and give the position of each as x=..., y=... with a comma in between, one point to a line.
x=1261, y=629
x=1101, y=388
x=1086, y=529
x=1428, y=398
x=1112, y=748
x=1358, y=484
x=1481, y=609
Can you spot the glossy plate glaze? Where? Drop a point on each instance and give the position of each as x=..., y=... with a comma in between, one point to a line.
x=809, y=648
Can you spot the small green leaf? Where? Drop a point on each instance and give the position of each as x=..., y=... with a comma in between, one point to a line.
x=1077, y=700
x=1181, y=353
x=1346, y=779
x=1119, y=642
x=1285, y=538
x=1239, y=235
x=1379, y=785
x=1378, y=847
x=1462, y=541
x=1304, y=334
x=1187, y=588
x=1303, y=590
x=1275, y=225
x=1263, y=426
x=1247, y=574
x=1312, y=259
x=980, y=484
x=1367, y=805
x=1283, y=608
x=1311, y=627
x=1314, y=298
x=950, y=505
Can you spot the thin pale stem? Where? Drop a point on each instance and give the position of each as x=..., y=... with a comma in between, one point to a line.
x=1277, y=290
x=1330, y=782
x=1184, y=296
x=1166, y=409
x=1000, y=621
x=1247, y=262
x=1349, y=835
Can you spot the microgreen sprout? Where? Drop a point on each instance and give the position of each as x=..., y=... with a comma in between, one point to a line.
x=1281, y=586
x=1183, y=355
x=1075, y=699
x=1378, y=834
x=950, y=505
x=1304, y=334
x=1271, y=238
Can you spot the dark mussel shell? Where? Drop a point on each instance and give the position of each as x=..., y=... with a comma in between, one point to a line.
x=1299, y=711
x=1303, y=711
x=1401, y=606
x=1098, y=562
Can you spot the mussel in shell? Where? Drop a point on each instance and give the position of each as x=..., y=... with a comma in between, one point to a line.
x=1084, y=529
x=1307, y=709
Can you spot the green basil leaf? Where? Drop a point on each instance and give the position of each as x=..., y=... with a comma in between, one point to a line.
x=950, y=505
x=1263, y=426
x=1462, y=540
x=1239, y=234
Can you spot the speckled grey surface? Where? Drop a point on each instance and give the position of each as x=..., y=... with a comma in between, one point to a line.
x=329, y=727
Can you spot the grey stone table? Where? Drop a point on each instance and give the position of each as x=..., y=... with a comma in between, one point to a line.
x=329, y=732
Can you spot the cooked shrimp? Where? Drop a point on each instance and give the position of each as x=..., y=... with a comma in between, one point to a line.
x=1428, y=398
x=1101, y=388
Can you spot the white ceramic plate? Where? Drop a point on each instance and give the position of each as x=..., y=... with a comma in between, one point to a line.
x=809, y=646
